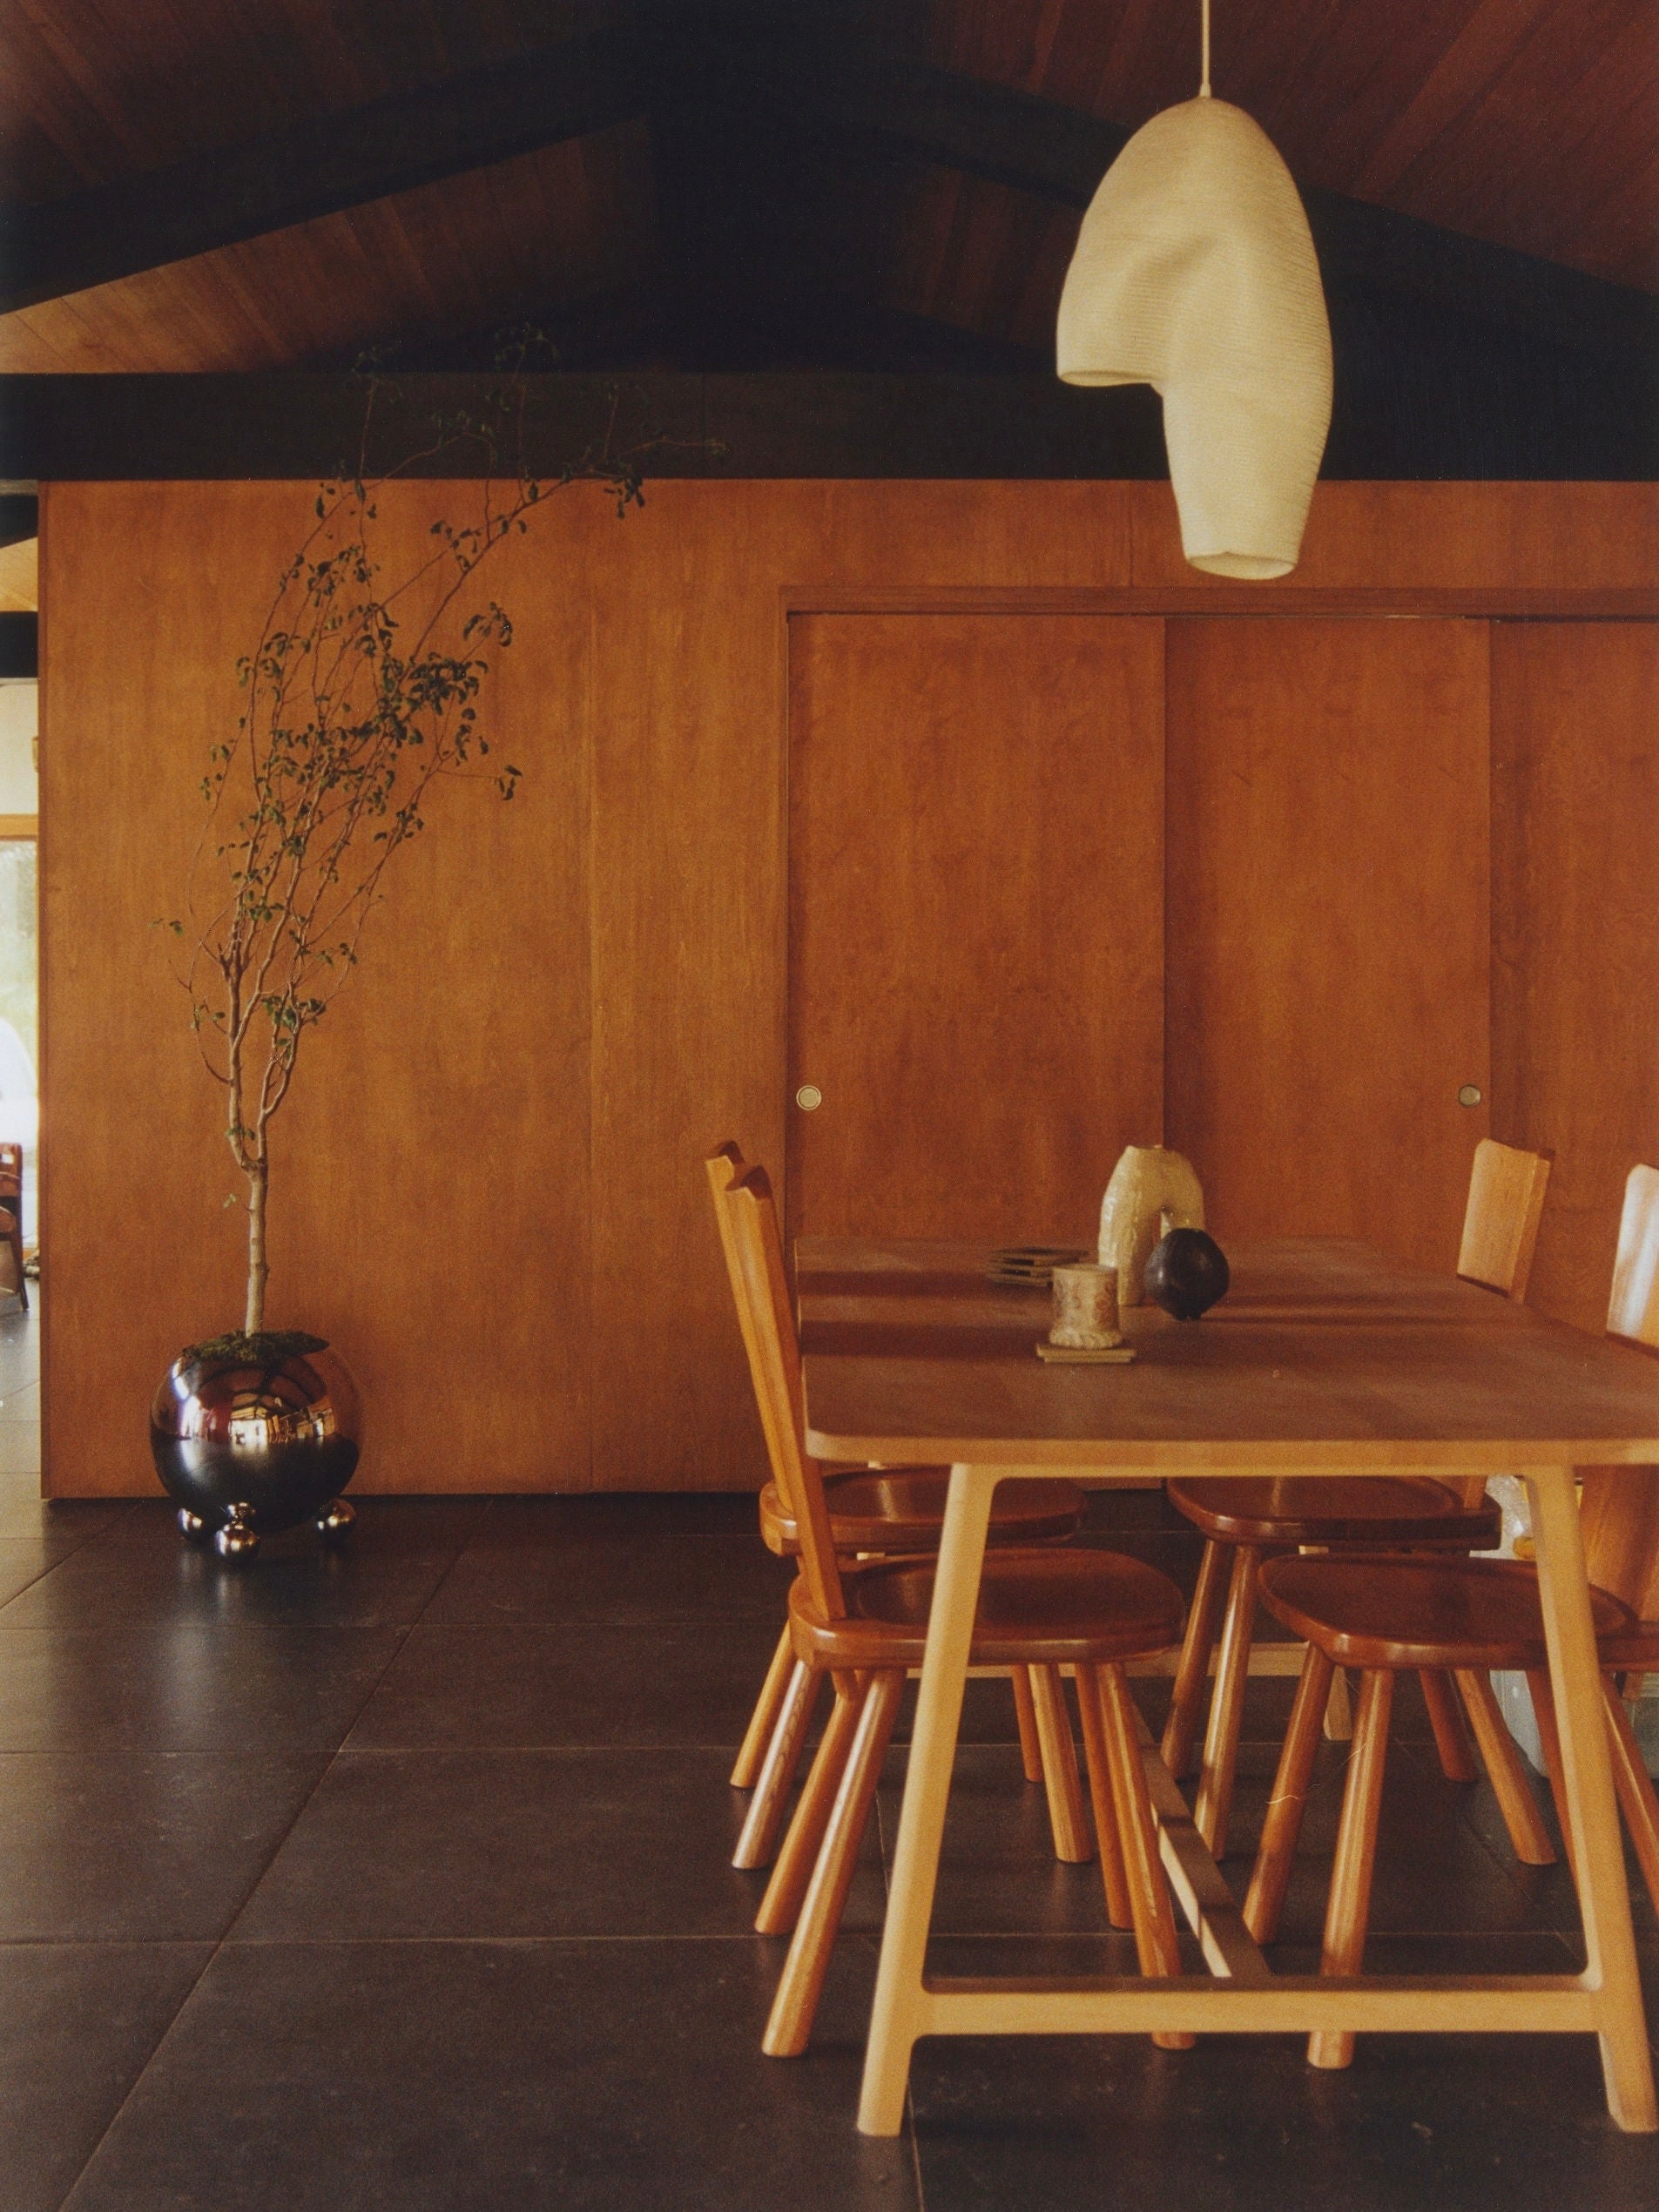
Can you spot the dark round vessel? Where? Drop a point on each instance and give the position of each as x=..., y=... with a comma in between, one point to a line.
x=1186, y=1273
x=251, y=1435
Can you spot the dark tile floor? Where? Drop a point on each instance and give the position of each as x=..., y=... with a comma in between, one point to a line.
x=398, y=1878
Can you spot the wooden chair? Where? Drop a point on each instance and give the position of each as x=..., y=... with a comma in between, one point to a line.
x=878, y=1512
x=864, y=1626
x=1471, y=1616
x=1244, y=1518
x=12, y=1213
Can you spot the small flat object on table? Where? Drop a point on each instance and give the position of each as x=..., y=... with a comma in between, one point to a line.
x=1075, y=1355
x=1032, y=1263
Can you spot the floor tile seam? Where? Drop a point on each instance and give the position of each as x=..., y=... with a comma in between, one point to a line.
x=455, y=1558
x=310, y=1795
x=133, y=2087
x=566, y=1625
x=725, y=1750
x=326, y=1753
x=347, y=1748
x=104, y=1942
x=329, y=1761
x=230, y=1941
x=49, y=1568
x=587, y=1624
x=80, y=1544
x=161, y=1624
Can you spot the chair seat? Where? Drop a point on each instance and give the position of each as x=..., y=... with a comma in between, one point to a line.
x=1035, y=1608
x=1633, y=1649
x=902, y=1508
x=1409, y=1612
x=1372, y=1509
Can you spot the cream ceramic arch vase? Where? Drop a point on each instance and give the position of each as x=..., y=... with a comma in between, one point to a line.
x=1151, y=1192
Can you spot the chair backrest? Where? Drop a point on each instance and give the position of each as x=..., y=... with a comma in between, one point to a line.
x=760, y=1250
x=1500, y=1222
x=1633, y=1310
x=723, y=1167
x=1621, y=1515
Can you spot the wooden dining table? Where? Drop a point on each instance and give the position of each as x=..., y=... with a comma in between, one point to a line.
x=1326, y=1358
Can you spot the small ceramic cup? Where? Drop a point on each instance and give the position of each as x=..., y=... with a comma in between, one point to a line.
x=1085, y=1308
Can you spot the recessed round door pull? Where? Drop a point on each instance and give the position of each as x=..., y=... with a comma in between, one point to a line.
x=809, y=1098
x=1469, y=1096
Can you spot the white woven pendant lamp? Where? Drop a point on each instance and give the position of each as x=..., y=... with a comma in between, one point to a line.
x=1195, y=272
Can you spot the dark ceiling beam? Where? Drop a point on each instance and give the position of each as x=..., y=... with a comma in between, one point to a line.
x=1406, y=412
x=319, y=166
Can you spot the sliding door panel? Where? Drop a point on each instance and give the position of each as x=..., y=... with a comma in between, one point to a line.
x=975, y=914
x=1328, y=950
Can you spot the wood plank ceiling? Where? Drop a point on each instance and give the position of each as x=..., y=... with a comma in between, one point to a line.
x=700, y=204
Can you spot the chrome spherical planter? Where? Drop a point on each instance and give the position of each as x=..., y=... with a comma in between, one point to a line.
x=254, y=1434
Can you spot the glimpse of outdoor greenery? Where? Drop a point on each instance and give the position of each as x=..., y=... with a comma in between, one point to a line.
x=19, y=954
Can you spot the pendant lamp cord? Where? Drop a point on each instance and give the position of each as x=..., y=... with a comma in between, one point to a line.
x=1203, y=20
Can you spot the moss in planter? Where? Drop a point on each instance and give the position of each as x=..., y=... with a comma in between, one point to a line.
x=266, y=1348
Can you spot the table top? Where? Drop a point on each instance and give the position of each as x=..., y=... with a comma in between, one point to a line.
x=1325, y=1356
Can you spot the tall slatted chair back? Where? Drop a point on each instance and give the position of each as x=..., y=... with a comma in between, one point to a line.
x=1620, y=1516
x=723, y=1167
x=1500, y=1222
x=1633, y=1310
x=753, y=1218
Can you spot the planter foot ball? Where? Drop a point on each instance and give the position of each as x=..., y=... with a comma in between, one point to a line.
x=254, y=1434
x=335, y=1520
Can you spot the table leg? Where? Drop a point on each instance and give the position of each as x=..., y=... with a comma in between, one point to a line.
x=1592, y=1812
x=896, y=2018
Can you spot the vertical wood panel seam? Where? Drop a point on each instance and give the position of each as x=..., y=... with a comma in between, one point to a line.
x=591, y=785
x=43, y=997
x=1165, y=626
x=783, y=799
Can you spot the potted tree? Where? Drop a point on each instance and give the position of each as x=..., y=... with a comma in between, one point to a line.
x=361, y=695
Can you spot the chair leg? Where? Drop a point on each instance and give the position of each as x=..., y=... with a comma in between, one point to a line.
x=1528, y=1836
x=1276, y=1855
x=1635, y=1786
x=1120, y=1909
x=1025, y=1714
x=790, y=2025
x=1227, y=1706
x=1451, y=1738
x=764, y=1719
x=1348, y=1908
x=1339, y=1713
x=1155, y=1944
x=794, y=1869
x=1066, y=1816
x=1549, y=1742
x=1192, y=1671
x=771, y=1800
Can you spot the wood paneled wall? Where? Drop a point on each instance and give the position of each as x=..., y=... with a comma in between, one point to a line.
x=1575, y=931
x=486, y=1188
